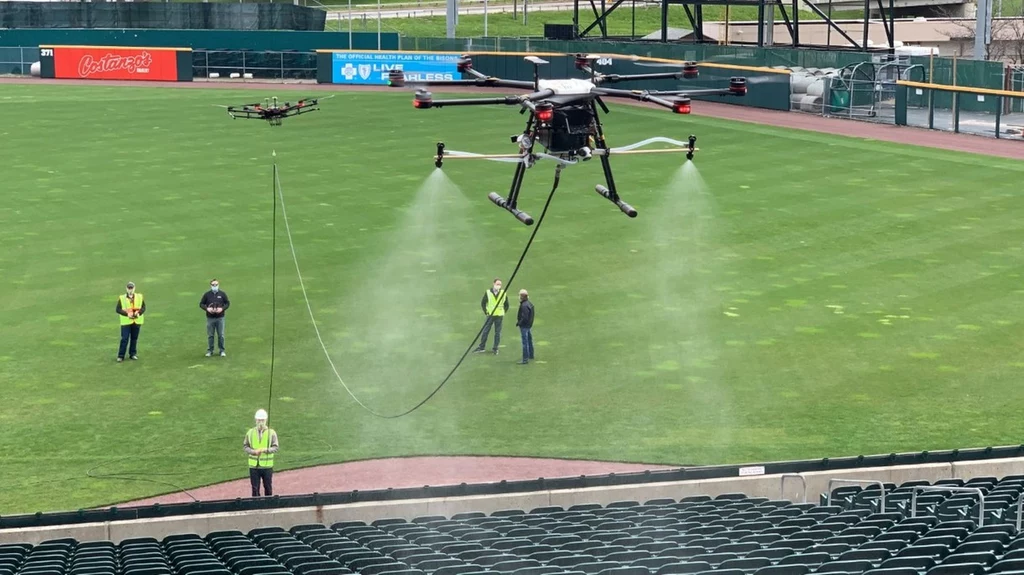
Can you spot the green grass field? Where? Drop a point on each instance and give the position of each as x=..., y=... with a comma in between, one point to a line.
x=825, y=296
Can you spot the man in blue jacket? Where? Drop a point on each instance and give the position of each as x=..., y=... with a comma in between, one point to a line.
x=525, y=324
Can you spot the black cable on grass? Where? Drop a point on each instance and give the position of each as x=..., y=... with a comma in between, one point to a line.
x=522, y=257
x=148, y=477
x=273, y=290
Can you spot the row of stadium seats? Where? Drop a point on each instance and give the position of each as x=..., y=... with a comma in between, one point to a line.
x=731, y=534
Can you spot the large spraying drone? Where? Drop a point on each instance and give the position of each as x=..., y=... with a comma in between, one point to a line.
x=564, y=119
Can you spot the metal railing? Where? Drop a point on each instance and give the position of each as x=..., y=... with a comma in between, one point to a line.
x=256, y=65
x=18, y=60
x=981, y=496
x=782, y=484
x=881, y=489
x=1020, y=503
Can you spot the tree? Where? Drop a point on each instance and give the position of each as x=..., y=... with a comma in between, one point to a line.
x=1007, y=43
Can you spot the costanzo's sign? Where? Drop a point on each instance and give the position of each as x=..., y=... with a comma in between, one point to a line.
x=89, y=65
x=103, y=63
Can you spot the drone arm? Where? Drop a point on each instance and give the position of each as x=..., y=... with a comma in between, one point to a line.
x=425, y=100
x=661, y=102
x=484, y=80
x=737, y=87
x=642, y=96
x=396, y=79
x=614, y=78
x=701, y=92
x=506, y=100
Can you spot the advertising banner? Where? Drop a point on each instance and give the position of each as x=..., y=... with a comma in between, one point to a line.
x=373, y=67
x=115, y=63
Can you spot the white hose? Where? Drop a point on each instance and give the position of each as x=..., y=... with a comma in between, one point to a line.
x=539, y=156
x=564, y=162
x=648, y=141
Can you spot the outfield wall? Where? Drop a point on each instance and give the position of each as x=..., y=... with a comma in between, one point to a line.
x=116, y=63
x=767, y=87
x=770, y=486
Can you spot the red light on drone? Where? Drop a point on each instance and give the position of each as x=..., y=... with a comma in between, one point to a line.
x=423, y=99
x=545, y=112
x=738, y=86
x=581, y=62
x=681, y=106
x=690, y=70
x=464, y=64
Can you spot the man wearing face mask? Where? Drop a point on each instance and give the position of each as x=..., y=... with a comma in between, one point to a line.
x=261, y=445
x=494, y=304
x=130, y=306
x=215, y=303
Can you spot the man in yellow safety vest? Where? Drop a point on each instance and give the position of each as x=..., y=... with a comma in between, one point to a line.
x=494, y=304
x=261, y=445
x=130, y=306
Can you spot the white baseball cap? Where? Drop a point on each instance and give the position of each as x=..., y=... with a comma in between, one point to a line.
x=261, y=414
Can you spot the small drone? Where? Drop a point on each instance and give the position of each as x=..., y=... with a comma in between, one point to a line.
x=564, y=118
x=273, y=112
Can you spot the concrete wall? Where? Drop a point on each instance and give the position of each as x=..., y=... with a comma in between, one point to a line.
x=752, y=485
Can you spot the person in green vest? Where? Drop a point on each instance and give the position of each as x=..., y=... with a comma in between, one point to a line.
x=494, y=304
x=261, y=445
x=130, y=306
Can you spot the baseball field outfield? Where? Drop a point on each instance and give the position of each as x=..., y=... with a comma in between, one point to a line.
x=796, y=295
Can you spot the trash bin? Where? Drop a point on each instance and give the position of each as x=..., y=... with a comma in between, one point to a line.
x=839, y=100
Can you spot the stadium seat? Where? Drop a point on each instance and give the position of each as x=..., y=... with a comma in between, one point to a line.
x=687, y=568
x=852, y=567
x=957, y=569
x=894, y=571
x=724, y=535
x=746, y=564
x=812, y=559
x=795, y=569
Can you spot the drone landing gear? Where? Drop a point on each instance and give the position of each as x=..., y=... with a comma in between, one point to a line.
x=513, y=196
x=609, y=193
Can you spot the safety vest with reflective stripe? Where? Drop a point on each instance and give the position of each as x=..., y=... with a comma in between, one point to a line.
x=126, y=305
x=255, y=442
x=496, y=302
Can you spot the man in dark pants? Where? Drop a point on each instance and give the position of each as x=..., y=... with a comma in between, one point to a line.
x=215, y=303
x=525, y=323
x=261, y=445
x=130, y=306
x=494, y=304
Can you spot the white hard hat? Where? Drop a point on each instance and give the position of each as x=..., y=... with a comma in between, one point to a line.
x=261, y=414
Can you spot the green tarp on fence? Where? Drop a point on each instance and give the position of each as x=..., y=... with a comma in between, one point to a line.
x=969, y=73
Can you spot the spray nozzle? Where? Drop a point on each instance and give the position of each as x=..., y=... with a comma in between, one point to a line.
x=440, y=155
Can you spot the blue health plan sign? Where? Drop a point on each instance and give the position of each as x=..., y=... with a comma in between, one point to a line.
x=373, y=67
